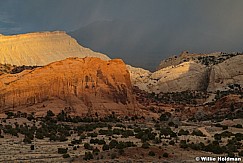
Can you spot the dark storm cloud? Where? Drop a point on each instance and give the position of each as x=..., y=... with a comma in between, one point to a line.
x=144, y=31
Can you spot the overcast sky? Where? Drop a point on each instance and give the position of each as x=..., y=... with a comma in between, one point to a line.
x=171, y=26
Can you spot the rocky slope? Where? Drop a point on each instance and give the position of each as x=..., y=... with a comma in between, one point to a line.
x=41, y=48
x=205, y=59
x=204, y=74
x=185, y=76
x=84, y=86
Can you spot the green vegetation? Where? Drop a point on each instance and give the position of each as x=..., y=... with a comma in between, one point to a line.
x=105, y=138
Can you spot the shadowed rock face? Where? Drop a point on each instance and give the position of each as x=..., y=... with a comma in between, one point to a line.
x=87, y=86
x=41, y=49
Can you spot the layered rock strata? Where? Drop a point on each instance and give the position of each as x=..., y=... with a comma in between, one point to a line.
x=41, y=49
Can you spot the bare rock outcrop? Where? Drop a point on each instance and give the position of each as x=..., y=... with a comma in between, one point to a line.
x=41, y=48
x=228, y=72
x=139, y=77
x=199, y=72
x=86, y=86
x=185, y=76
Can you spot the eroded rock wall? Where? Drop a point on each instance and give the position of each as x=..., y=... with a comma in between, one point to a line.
x=87, y=85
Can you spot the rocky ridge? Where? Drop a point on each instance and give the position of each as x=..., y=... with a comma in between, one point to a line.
x=41, y=48
x=188, y=71
x=192, y=75
x=205, y=59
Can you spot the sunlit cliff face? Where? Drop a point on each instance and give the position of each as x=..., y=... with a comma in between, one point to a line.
x=41, y=48
x=88, y=85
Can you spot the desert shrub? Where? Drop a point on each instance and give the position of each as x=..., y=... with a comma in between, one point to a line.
x=218, y=125
x=62, y=150
x=96, y=151
x=87, y=146
x=39, y=135
x=82, y=137
x=217, y=136
x=101, y=142
x=225, y=127
x=172, y=142
x=113, y=144
x=50, y=113
x=88, y=156
x=165, y=154
x=214, y=147
x=183, y=144
x=198, y=133
x=239, y=136
x=183, y=132
x=27, y=140
x=145, y=145
x=93, y=134
x=63, y=138
x=105, y=147
x=226, y=134
x=75, y=148
x=120, y=125
x=237, y=126
x=94, y=141
x=167, y=131
x=165, y=116
x=9, y=114
x=151, y=153
x=65, y=155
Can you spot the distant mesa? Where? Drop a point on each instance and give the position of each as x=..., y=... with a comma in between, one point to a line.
x=41, y=48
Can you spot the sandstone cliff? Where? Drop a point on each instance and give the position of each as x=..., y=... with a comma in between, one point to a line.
x=41, y=48
x=86, y=86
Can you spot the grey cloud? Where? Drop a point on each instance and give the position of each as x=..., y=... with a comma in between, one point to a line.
x=146, y=30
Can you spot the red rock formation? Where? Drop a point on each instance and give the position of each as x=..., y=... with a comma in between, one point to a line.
x=86, y=86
